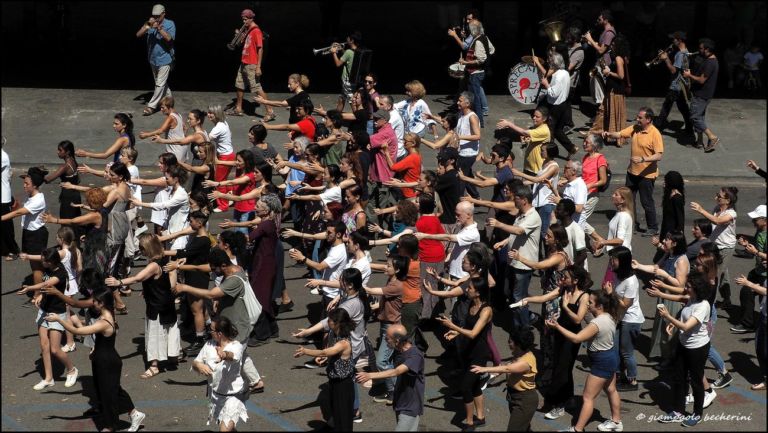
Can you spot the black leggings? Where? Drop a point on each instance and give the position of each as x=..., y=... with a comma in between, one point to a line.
x=690, y=365
x=342, y=394
x=471, y=384
x=561, y=388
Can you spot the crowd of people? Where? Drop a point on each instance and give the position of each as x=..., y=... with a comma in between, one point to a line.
x=355, y=181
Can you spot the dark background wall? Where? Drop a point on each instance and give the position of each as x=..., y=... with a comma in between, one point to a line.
x=82, y=44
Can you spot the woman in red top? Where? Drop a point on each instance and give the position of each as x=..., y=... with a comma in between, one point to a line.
x=410, y=166
x=594, y=171
x=431, y=252
x=245, y=180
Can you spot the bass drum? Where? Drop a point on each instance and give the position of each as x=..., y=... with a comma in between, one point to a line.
x=523, y=83
x=456, y=70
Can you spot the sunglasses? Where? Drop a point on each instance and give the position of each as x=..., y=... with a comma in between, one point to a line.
x=368, y=82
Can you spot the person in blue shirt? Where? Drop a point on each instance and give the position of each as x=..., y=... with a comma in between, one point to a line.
x=161, y=34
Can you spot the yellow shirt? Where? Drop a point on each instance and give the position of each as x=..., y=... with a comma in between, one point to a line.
x=533, y=159
x=644, y=144
x=525, y=381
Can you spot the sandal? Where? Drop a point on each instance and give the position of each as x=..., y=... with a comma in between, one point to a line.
x=233, y=112
x=11, y=257
x=148, y=111
x=758, y=387
x=151, y=372
x=125, y=292
x=67, y=348
x=121, y=311
x=255, y=389
x=268, y=117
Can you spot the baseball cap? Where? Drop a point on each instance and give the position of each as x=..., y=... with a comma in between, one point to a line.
x=678, y=35
x=247, y=13
x=158, y=9
x=759, y=212
x=381, y=114
x=36, y=174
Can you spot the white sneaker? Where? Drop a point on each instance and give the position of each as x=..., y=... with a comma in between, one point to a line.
x=709, y=397
x=555, y=413
x=137, y=418
x=689, y=399
x=314, y=291
x=71, y=377
x=43, y=384
x=610, y=425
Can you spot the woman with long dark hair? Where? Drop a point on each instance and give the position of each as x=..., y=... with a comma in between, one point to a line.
x=50, y=333
x=672, y=209
x=613, y=115
x=604, y=357
x=475, y=350
x=627, y=289
x=106, y=364
x=123, y=126
x=340, y=368
x=67, y=172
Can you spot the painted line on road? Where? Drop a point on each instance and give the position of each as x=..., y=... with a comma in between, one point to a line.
x=275, y=419
x=10, y=424
x=748, y=394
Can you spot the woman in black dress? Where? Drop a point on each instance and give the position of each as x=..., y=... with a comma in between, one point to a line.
x=67, y=172
x=475, y=348
x=106, y=364
x=672, y=210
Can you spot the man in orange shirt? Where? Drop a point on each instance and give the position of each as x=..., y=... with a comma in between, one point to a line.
x=647, y=151
x=250, y=66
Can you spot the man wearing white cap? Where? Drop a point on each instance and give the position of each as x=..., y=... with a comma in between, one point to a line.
x=756, y=275
x=161, y=33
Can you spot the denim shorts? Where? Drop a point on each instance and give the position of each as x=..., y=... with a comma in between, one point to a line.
x=604, y=363
x=56, y=326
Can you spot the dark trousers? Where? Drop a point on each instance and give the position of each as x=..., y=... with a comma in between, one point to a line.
x=558, y=116
x=518, y=281
x=266, y=326
x=522, y=407
x=761, y=346
x=644, y=186
x=690, y=366
x=471, y=385
x=747, y=298
x=674, y=97
x=410, y=314
x=7, y=235
x=342, y=393
x=561, y=388
x=465, y=165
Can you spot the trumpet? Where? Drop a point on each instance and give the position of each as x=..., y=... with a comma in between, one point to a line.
x=656, y=60
x=327, y=50
x=239, y=38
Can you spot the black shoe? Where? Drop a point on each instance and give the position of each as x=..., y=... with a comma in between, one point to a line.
x=194, y=348
x=253, y=342
x=650, y=233
x=284, y=308
x=740, y=329
x=627, y=387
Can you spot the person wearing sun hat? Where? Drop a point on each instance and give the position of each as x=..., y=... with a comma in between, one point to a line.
x=34, y=235
x=161, y=35
x=757, y=275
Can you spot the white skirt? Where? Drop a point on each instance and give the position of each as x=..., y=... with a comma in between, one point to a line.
x=226, y=408
x=161, y=341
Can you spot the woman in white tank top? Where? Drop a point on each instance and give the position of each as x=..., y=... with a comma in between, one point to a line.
x=199, y=135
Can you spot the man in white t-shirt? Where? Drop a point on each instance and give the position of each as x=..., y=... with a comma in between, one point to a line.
x=465, y=217
x=576, y=250
x=333, y=264
x=10, y=249
x=524, y=237
x=574, y=188
x=387, y=103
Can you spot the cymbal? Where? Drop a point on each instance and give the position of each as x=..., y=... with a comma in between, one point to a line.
x=529, y=59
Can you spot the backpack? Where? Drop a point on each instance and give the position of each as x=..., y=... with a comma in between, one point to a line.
x=251, y=303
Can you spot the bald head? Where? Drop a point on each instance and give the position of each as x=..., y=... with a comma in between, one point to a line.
x=465, y=213
x=396, y=329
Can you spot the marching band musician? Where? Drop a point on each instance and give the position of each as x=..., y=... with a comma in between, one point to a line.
x=703, y=82
x=557, y=99
x=477, y=54
x=250, y=66
x=679, y=87
x=602, y=45
x=345, y=62
x=472, y=15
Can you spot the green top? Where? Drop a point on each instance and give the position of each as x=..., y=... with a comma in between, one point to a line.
x=760, y=238
x=347, y=59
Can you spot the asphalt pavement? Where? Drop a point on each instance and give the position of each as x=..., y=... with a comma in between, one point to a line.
x=34, y=120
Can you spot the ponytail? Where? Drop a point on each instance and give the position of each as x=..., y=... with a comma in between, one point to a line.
x=609, y=302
